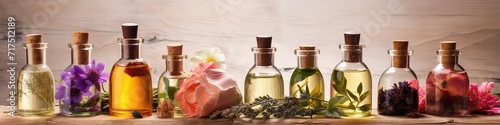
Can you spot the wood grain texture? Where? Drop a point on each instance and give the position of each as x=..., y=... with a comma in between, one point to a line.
x=233, y=24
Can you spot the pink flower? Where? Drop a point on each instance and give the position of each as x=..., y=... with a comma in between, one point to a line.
x=481, y=100
x=206, y=90
x=166, y=109
x=413, y=83
x=421, y=99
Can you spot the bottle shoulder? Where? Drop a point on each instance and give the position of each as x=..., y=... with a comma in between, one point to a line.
x=343, y=66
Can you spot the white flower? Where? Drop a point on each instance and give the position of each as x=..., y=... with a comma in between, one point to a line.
x=208, y=54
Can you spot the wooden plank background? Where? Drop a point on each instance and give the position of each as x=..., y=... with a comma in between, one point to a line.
x=233, y=24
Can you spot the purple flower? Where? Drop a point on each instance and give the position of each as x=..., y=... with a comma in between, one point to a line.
x=92, y=75
x=67, y=92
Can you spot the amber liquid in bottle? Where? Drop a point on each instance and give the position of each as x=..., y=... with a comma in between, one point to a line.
x=135, y=88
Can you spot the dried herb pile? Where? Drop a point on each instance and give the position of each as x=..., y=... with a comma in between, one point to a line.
x=401, y=99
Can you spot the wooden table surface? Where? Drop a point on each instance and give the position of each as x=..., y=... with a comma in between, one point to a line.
x=375, y=119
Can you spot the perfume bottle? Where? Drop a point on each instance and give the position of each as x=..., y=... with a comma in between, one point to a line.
x=173, y=76
x=398, y=85
x=131, y=87
x=90, y=102
x=263, y=78
x=447, y=86
x=352, y=79
x=306, y=77
x=35, y=87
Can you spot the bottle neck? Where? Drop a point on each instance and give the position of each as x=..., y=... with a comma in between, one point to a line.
x=80, y=53
x=174, y=64
x=448, y=58
x=352, y=53
x=35, y=53
x=130, y=48
x=264, y=56
x=400, y=58
x=307, y=59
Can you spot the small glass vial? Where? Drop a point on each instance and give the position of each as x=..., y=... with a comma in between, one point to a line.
x=263, y=78
x=307, y=77
x=352, y=79
x=173, y=76
x=35, y=87
x=447, y=86
x=80, y=56
x=131, y=88
x=398, y=85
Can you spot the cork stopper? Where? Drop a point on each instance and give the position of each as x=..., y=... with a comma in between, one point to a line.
x=80, y=37
x=129, y=30
x=35, y=49
x=175, y=61
x=351, y=38
x=448, y=54
x=400, y=58
x=34, y=38
x=264, y=41
x=307, y=60
x=174, y=49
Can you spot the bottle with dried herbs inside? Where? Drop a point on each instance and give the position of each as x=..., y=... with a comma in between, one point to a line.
x=352, y=79
x=87, y=100
x=263, y=78
x=447, y=86
x=398, y=85
x=307, y=78
x=35, y=87
x=131, y=90
x=173, y=76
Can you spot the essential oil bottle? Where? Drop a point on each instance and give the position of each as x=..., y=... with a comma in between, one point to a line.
x=352, y=79
x=398, y=85
x=131, y=87
x=263, y=78
x=173, y=76
x=307, y=77
x=447, y=86
x=35, y=86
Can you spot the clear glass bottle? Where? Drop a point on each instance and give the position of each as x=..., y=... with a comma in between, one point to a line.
x=130, y=81
x=447, y=86
x=263, y=78
x=351, y=78
x=398, y=85
x=90, y=104
x=35, y=87
x=307, y=76
x=171, y=79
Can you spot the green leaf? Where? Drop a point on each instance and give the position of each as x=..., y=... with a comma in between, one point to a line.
x=171, y=92
x=307, y=89
x=339, y=82
x=352, y=96
x=91, y=102
x=351, y=106
x=162, y=95
x=300, y=89
x=360, y=88
x=337, y=89
x=302, y=74
x=166, y=83
x=344, y=100
x=331, y=113
x=364, y=95
x=365, y=107
x=340, y=112
x=334, y=101
x=343, y=86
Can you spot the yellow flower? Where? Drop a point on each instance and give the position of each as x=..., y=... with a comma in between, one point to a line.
x=208, y=54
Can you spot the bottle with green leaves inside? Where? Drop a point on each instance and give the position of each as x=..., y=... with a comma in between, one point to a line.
x=352, y=79
x=306, y=78
x=173, y=76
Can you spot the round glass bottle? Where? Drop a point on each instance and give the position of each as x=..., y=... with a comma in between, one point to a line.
x=263, y=78
x=87, y=104
x=398, y=85
x=173, y=76
x=131, y=87
x=447, y=85
x=35, y=87
x=307, y=76
x=351, y=78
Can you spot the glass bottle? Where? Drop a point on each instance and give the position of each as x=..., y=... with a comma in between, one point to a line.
x=35, y=87
x=263, y=78
x=398, y=85
x=307, y=76
x=447, y=86
x=173, y=76
x=131, y=87
x=80, y=56
x=351, y=78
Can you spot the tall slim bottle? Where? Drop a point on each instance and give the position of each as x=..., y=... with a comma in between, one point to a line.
x=130, y=83
x=307, y=75
x=398, y=85
x=447, y=86
x=352, y=79
x=263, y=78
x=173, y=76
x=35, y=86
